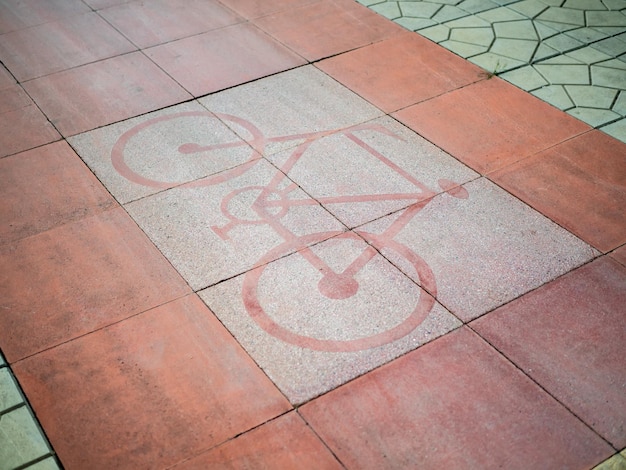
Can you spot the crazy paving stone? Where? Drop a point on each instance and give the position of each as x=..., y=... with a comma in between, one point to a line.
x=108, y=400
x=430, y=410
x=552, y=335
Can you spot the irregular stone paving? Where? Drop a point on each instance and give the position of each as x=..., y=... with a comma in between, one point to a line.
x=569, y=53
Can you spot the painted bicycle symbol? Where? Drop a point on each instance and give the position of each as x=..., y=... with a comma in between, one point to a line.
x=269, y=203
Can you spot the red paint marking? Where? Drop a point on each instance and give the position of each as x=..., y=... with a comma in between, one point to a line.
x=272, y=204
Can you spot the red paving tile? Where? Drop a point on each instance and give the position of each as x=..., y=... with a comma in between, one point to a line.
x=13, y=97
x=100, y=4
x=327, y=27
x=286, y=442
x=256, y=8
x=220, y=59
x=104, y=92
x=570, y=336
x=401, y=71
x=22, y=14
x=24, y=128
x=59, y=45
x=580, y=184
x=620, y=255
x=76, y=278
x=490, y=124
x=6, y=79
x=46, y=187
x=454, y=403
x=150, y=23
x=148, y=392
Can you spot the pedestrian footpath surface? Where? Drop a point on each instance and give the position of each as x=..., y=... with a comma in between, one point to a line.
x=296, y=234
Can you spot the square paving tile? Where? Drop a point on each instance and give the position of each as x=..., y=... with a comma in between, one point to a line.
x=580, y=184
x=160, y=150
x=46, y=187
x=570, y=337
x=97, y=94
x=23, y=127
x=484, y=248
x=490, y=124
x=330, y=312
x=401, y=71
x=22, y=14
x=158, y=21
x=6, y=79
x=455, y=403
x=224, y=58
x=370, y=170
x=78, y=277
x=221, y=226
x=13, y=97
x=108, y=400
x=256, y=8
x=327, y=27
x=286, y=442
x=59, y=45
x=303, y=102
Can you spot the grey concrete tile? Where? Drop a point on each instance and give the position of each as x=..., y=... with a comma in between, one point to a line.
x=10, y=395
x=620, y=103
x=389, y=10
x=486, y=249
x=320, y=317
x=522, y=29
x=564, y=74
x=606, y=18
x=526, y=78
x=438, y=33
x=555, y=95
x=372, y=170
x=477, y=36
x=287, y=106
x=213, y=232
x=588, y=96
x=148, y=154
x=464, y=49
x=616, y=129
x=496, y=63
x=420, y=9
x=518, y=49
x=47, y=464
x=20, y=439
x=593, y=116
x=608, y=77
